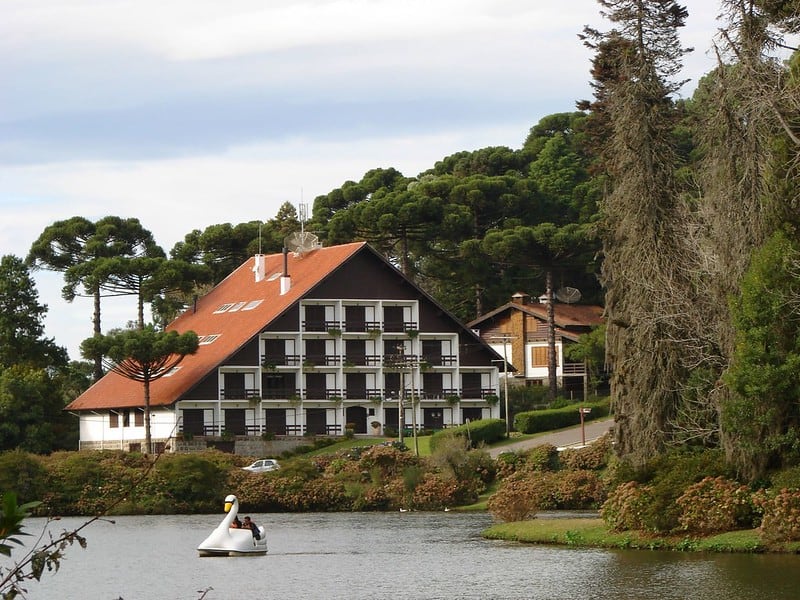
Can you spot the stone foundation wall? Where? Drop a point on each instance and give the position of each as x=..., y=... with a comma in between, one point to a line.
x=249, y=446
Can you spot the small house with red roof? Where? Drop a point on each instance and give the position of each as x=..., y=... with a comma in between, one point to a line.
x=518, y=331
x=310, y=343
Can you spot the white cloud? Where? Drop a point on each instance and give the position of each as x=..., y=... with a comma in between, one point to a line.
x=187, y=113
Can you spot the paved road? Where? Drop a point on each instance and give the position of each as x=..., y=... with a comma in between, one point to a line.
x=564, y=437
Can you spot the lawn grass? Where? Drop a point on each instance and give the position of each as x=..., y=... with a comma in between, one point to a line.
x=592, y=533
x=423, y=441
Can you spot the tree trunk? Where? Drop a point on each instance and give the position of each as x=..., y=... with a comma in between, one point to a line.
x=148, y=440
x=98, y=360
x=552, y=383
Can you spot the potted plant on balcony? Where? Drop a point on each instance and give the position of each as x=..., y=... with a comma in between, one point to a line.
x=268, y=365
x=492, y=399
x=452, y=399
x=334, y=331
x=412, y=333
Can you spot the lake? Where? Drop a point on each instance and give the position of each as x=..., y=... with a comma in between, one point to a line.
x=388, y=555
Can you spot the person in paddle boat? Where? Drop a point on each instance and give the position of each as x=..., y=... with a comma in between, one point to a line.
x=248, y=524
x=236, y=523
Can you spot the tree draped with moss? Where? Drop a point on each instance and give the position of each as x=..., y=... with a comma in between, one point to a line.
x=641, y=218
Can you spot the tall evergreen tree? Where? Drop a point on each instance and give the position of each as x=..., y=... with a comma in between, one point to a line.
x=640, y=222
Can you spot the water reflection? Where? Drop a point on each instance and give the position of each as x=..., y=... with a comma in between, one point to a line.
x=392, y=555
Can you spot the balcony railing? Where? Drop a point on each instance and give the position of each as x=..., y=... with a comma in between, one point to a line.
x=239, y=393
x=279, y=360
x=440, y=360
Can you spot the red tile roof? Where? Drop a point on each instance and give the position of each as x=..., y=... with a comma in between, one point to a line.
x=235, y=329
x=566, y=315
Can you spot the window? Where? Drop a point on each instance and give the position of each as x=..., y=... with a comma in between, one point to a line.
x=252, y=304
x=223, y=308
x=237, y=307
x=539, y=356
x=113, y=419
x=126, y=418
x=138, y=418
x=207, y=339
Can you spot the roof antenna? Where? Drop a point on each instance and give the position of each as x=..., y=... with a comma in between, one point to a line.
x=301, y=242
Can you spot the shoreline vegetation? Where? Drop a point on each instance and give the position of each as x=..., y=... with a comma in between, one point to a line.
x=593, y=533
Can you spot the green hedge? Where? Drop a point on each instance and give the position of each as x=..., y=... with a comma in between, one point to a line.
x=482, y=430
x=535, y=421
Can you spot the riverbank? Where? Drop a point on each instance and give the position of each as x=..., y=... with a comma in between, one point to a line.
x=593, y=533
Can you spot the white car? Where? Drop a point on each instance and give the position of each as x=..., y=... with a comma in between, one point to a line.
x=263, y=465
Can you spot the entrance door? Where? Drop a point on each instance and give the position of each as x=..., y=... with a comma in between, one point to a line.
x=194, y=421
x=357, y=415
x=275, y=419
x=316, y=424
x=234, y=421
x=433, y=418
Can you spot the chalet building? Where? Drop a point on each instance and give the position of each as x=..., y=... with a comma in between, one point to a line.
x=518, y=332
x=300, y=344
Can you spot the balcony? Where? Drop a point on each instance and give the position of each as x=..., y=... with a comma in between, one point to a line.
x=279, y=360
x=239, y=393
x=440, y=360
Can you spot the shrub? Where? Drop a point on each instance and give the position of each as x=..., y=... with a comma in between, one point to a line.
x=24, y=474
x=625, y=508
x=434, y=492
x=788, y=478
x=516, y=500
x=714, y=504
x=536, y=421
x=386, y=462
x=192, y=481
x=593, y=457
x=542, y=458
x=507, y=463
x=579, y=489
x=667, y=477
x=781, y=520
x=485, y=431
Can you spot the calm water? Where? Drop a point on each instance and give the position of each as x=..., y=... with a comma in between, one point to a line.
x=397, y=555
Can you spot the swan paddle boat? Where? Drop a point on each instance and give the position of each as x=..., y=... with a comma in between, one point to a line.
x=225, y=541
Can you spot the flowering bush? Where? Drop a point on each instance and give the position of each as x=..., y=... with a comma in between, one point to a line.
x=626, y=507
x=435, y=493
x=593, y=457
x=517, y=500
x=579, y=489
x=714, y=504
x=781, y=520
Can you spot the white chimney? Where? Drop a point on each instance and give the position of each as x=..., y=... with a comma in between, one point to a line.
x=259, y=267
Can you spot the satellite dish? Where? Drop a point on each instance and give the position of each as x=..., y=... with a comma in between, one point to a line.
x=302, y=242
x=568, y=295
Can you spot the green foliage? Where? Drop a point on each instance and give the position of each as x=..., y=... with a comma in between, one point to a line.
x=191, y=481
x=761, y=416
x=485, y=431
x=11, y=517
x=543, y=457
x=31, y=410
x=663, y=480
x=22, y=320
x=558, y=418
x=23, y=473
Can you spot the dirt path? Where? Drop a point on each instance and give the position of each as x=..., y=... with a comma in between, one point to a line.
x=564, y=437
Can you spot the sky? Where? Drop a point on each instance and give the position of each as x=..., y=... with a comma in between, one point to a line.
x=189, y=113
